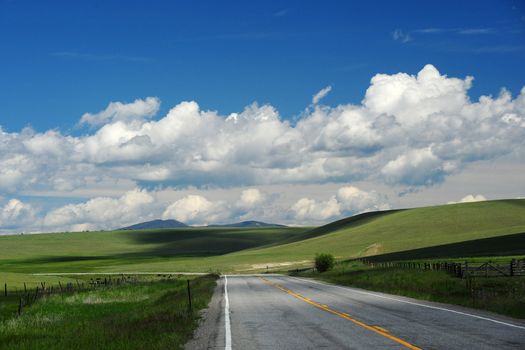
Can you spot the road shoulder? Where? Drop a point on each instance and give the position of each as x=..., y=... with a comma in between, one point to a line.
x=209, y=333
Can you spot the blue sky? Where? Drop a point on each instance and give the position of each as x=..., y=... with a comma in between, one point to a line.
x=295, y=112
x=61, y=59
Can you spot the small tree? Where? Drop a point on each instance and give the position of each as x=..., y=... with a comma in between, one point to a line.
x=324, y=262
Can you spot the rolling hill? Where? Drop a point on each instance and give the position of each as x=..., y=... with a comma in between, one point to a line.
x=248, y=224
x=401, y=230
x=250, y=249
x=156, y=224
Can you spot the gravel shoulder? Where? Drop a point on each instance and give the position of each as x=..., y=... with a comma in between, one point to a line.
x=210, y=333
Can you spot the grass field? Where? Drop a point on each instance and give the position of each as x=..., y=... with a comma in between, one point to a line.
x=143, y=315
x=249, y=250
x=411, y=229
x=143, y=250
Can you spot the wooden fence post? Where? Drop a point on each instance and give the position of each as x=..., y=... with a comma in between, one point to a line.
x=512, y=263
x=5, y=289
x=19, y=306
x=189, y=296
x=36, y=294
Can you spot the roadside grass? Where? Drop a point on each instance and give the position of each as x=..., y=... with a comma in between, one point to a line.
x=144, y=315
x=16, y=281
x=503, y=295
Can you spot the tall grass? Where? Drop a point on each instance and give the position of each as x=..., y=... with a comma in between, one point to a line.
x=146, y=315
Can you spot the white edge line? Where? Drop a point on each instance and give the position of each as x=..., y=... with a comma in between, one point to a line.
x=412, y=303
x=256, y=275
x=227, y=326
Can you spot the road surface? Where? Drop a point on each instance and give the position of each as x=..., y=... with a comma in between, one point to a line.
x=280, y=312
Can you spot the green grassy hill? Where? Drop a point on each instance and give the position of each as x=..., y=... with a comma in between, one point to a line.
x=395, y=231
x=227, y=249
x=115, y=250
x=500, y=246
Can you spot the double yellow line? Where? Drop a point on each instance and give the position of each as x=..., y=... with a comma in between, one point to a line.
x=346, y=316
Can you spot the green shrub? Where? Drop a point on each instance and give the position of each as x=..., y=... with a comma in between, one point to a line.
x=324, y=262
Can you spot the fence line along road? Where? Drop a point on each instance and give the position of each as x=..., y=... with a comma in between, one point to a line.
x=119, y=273
x=466, y=269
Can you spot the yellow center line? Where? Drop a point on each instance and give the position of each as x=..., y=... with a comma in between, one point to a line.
x=377, y=330
x=381, y=329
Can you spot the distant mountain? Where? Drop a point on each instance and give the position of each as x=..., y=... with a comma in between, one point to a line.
x=155, y=224
x=248, y=224
x=176, y=224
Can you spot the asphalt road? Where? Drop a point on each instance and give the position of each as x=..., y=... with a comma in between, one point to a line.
x=279, y=312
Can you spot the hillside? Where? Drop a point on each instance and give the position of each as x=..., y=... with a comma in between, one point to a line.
x=116, y=250
x=395, y=231
x=250, y=249
x=156, y=224
x=494, y=246
x=250, y=223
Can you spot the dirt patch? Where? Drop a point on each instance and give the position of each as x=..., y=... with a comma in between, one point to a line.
x=373, y=249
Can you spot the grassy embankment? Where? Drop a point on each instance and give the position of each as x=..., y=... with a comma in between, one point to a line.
x=144, y=315
x=503, y=295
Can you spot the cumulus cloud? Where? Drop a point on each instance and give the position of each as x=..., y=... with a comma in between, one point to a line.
x=195, y=209
x=409, y=130
x=321, y=94
x=309, y=209
x=193, y=206
x=117, y=111
x=415, y=167
x=348, y=200
x=15, y=214
x=199, y=210
x=101, y=212
x=471, y=198
x=250, y=198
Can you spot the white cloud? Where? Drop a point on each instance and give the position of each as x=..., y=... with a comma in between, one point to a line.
x=101, y=212
x=348, y=200
x=354, y=200
x=416, y=167
x=15, y=214
x=402, y=36
x=321, y=94
x=470, y=198
x=413, y=99
x=117, y=111
x=306, y=209
x=198, y=210
x=410, y=131
x=250, y=198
